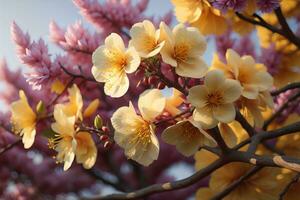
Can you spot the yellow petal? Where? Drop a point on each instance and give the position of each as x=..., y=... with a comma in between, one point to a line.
x=232, y=90
x=224, y=113
x=57, y=86
x=198, y=96
x=92, y=107
x=133, y=60
x=205, y=118
x=117, y=86
x=151, y=103
x=214, y=79
x=86, y=151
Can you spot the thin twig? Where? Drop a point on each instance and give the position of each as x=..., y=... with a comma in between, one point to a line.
x=10, y=146
x=286, y=88
x=236, y=183
x=240, y=118
x=288, y=33
x=280, y=110
x=294, y=180
x=168, y=186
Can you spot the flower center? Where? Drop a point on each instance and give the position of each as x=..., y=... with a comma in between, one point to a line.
x=181, y=52
x=214, y=99
x=189, y=131
x=149, y=43
x=143, y=134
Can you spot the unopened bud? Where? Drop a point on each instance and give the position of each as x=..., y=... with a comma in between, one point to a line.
x=104, y=138
x=107, y=144
x=40, y=108
x=161, y=85
x=98, y=122
x=105, y=129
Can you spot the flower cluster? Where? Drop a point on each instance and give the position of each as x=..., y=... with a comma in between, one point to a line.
x=140, y=92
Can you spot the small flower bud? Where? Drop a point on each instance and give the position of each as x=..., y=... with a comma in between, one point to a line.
x=103, y=138
x=40, y=108
x=105, y=129
x=107, y=144
x=161, y=85
x=98, y=122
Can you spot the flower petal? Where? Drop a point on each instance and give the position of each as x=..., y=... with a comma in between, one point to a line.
x=134, y=60
x=198, y=96
x=214, y=79
x=151, y=103
x=195, y=70
x=205, y=118
x=224, y=113
x=232, y=90
x=117, y=86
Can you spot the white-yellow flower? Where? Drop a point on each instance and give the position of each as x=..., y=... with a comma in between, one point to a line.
x=69, y=142
x=253, y=77
x=111, y=63
x=183, y=49
x=200, y=14
x=145, y=39
x=136, y=133
x=75, y=104
x=187, y=136
x=214, y=101
x=23, y=120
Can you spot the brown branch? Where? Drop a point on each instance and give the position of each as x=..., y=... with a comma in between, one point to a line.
x=286, y=88
x=288, y=33
x=236, y=183
x=99, y=176
x=215, y=133
x=10, y=146
x=280, y=110
x=261, y=22
x=76, y=75
x=173, y=117
x=240, y=118
x=168, y=186
x=294, y=180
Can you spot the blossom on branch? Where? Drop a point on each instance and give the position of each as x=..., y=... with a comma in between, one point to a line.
x=112, y=61
x=136, y=133
x=214, y=101
x=23, y=120
x=183, y=49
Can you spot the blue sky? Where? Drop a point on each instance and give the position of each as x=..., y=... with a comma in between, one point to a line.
x=34, y=16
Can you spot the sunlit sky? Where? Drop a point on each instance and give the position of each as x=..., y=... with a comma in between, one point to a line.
x=34, y=16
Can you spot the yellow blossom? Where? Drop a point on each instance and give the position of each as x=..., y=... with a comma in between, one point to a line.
x=183, y=49
x=69, y=142
x=57, y=86
x=136, y=133
x=92, y=107
x=263, y=185
x=200, y=14
x=173, y=102
x=214, y=100
x=187, y=136
x=145, y=39
x=253, y=109
x=111, y=63
x=289, y=144
x=253, y=77
x=23, y=120
x=74, y=106
x=203, y=158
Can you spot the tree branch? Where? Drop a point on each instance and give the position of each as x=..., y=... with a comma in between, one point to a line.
x=168, y=186
x=236, y=183
x=280, y=110
x=294, y=180
x=286, y=88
